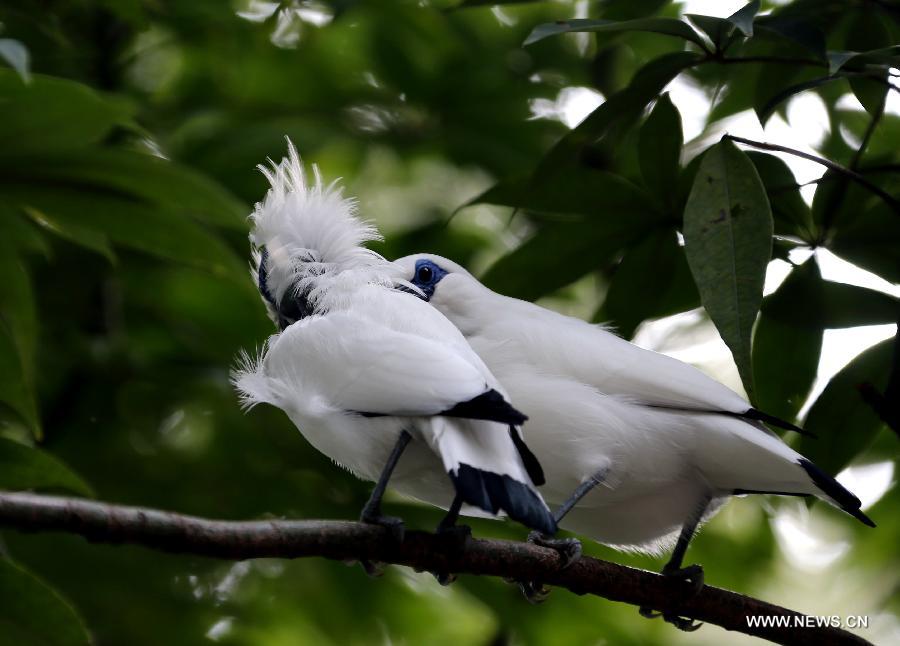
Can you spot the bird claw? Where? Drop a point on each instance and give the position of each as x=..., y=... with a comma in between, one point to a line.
x=533, y=591
x=569, y=549
x=456, y=535
x=648, y=613
x=374, y=569
x=391, y=523
x=686, y=624
x=692, y=574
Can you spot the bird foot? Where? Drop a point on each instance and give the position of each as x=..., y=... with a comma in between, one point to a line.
x=569, y=550
x=374, y=569
x=692, y=574
x=391, y=523
x=456, y=537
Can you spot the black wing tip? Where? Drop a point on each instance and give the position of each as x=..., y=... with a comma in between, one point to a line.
x=758, y=415
x=489, y=405
x=494, y=492
x=836, y=491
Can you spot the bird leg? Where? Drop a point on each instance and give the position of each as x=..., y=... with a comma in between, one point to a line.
x=456, y=533
x=692, y=574
x=371, y=511
x=569, y=549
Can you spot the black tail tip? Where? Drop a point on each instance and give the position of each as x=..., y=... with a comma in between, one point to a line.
x=836, y=491
x=495, y=492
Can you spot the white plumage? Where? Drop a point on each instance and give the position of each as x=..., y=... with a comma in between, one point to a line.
x=358, y=362
x=663, y=437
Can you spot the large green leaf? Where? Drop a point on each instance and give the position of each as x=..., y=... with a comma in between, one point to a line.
x=144, y=176
x=51, y=114
x=790, y=212
x=582, y=191
x=659, y=147
x=813, y=303
x=844, y=423
x=69, y=229
x=130, y=223
x=603, y=130
x=560, y=253
x=18, y=337
x=868, y=31
x=666, y=26
x=785, y=347
x=653, y=280
x=16, y=392
x=33, y=614
x=871, y=239
x=728, y=240
x=25, y=468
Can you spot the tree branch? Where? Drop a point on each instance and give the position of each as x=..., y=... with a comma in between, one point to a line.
x=827, y=163
x=343, y=540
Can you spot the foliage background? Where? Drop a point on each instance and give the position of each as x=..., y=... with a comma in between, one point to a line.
x=129, y=132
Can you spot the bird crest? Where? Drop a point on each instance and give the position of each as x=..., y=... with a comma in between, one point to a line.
x=308, y=242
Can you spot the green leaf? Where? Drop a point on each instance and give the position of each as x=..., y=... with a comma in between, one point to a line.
x=51, y=114
x=822, y=304
x=16, y=392
x=140, y=175
x=867, y=31
x=25, y=468
x=18, y=338
x=743, y=18
x=728, y=240
x=718, y=29
x=666, y=26
x=137, y=225
x=92, y=239
x=582, y=191
x=790, y=212
x=844, y=423
x=785, y=348
x=659, y=150
x=34, y=614
x=534, y=269
x=603, y=130
x=16, y=56
x=653, y=280
x=836, y=60
x=871, y=239
x=771, y=105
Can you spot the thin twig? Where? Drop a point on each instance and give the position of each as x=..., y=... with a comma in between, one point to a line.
x=827, y=163
x=343, y=540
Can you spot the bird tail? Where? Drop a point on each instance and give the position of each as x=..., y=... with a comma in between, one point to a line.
x=836, y=492
x=488, y=471
x=743, y=458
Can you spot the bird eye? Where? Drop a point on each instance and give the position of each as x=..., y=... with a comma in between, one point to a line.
x=424, y=274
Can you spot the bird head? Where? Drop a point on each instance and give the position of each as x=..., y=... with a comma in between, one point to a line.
x=308, y=243
x=443, y=283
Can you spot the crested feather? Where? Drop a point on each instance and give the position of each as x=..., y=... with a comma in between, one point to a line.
x=313, y=236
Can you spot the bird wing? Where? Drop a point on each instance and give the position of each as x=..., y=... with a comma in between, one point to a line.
x=614, y=366
x=364, y=367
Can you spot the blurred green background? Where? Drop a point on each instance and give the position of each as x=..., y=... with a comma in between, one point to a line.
x=129, y=135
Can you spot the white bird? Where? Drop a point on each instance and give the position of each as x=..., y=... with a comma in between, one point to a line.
x=366, y=371
x=666, y=444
